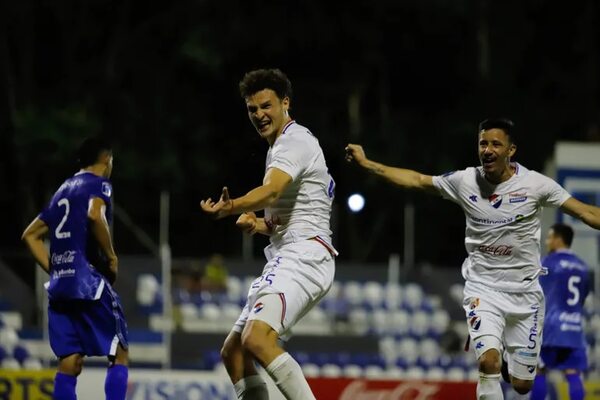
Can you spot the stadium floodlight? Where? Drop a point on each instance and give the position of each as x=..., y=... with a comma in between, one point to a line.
x=356, y=202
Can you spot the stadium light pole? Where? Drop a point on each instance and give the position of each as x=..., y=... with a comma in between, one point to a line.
x=165, y=261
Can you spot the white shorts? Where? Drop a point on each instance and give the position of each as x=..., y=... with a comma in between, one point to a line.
x=300, y=274
x=514, y=320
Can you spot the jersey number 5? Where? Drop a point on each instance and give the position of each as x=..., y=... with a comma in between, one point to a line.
x=58, y=232
x=574, y=290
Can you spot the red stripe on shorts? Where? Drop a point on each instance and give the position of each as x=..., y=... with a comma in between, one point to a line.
x=282, y=297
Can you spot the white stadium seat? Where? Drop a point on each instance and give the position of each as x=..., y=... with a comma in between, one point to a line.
x=415, y=373
x=10, y=363
x=331, y=371
x=393, y=296
x=311, y=370
x=435, y=374
x=359, y=321
x=210, y=311
x=373, y=294
x=399, y=322
x=234, y=289
x=352, y=371
x=456, y=374
x=374, y=372
x=353, y=292
x=147, y=289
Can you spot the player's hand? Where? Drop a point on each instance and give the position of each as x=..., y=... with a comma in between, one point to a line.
x=247, y=223
x=355, y=152
x=221, y=208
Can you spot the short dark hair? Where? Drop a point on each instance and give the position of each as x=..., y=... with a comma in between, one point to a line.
x=564, y=231
x=498, y=123
x=90, y=150
x=260, y=79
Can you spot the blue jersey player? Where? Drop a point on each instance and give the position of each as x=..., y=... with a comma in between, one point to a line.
x=85, y=317
x=565, y=287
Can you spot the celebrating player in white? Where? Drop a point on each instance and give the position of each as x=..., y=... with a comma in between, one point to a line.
x=296, y=195
x=501, y=200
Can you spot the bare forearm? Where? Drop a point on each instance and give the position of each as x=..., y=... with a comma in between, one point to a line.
x=102, y=235
x=256, y=199
x=39, y=252
x=405, y=178
x=592, y=217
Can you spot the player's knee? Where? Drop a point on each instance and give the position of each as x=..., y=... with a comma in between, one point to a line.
x=490, y=362
x=71, y=365
x=521, y=386
x=122, y=356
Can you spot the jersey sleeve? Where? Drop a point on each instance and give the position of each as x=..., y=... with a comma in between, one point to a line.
x=290, y=156
x=449, y=184
x=552, y=194
x=103, y=190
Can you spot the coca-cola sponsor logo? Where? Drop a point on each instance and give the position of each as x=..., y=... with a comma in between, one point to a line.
x=63, y=258
x=496, y=250
x=359, y=390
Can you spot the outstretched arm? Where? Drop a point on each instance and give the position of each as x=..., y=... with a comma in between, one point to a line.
x=33, y=236
x=274, y=183
x=101, y=232
x=587, y=213
x=405, y=178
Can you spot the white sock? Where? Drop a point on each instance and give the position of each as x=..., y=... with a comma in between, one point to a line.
x=251, y=388
x=288, y=377
x=489, y=388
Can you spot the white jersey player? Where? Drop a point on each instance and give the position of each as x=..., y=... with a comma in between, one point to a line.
x=501, y=200
x=296, y=196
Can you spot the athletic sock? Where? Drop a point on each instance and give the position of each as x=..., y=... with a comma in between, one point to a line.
x=115, y=384
x=64, y=387
x=576, y=389
x=251, y=388
x=539, y=389
x=488, y=387
x=288, y=377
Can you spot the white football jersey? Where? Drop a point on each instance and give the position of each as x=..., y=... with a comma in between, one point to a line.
x=503, y=230
x=304, y=208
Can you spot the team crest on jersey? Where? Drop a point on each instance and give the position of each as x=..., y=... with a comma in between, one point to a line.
x=106, y=189
x=258, y=308
x=495, y=200
x=475, y=323
x=474, y=303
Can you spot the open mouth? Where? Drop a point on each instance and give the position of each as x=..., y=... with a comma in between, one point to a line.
x=487, y=162
x=263, y=125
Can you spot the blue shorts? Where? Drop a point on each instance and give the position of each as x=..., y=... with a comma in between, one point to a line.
x=562, y=358
x=87, y=327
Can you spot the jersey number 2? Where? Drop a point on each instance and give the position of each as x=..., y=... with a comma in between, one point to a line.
x=58, y=232
x=574, y=290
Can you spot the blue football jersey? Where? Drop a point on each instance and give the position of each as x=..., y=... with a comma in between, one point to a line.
x=73, y=250
x=566, y=287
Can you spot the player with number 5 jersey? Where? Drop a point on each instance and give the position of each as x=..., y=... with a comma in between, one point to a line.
x=566, y=285
x=85, y=317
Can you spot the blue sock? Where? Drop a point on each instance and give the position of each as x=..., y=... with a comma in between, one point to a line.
x=64, y=387
x=539, y=389
x=115, y=385
x=576, y=390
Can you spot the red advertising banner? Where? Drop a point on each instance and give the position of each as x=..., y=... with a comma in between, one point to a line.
x=362, y=389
